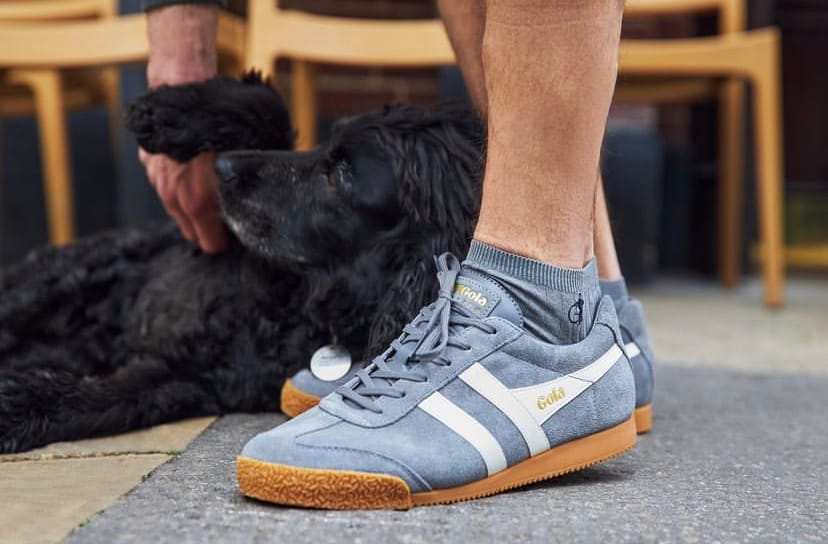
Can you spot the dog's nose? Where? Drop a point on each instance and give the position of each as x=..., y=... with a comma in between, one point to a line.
x=238, y=165
x=224, y=169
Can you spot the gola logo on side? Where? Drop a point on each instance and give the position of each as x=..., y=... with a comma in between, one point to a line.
x=556, y=395
x=471, y=294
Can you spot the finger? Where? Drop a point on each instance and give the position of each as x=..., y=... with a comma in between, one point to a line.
x=199, y=201
x=166, y=187
x=183, y=222
x=198, y=198
x=152, y=167
x=212, y=234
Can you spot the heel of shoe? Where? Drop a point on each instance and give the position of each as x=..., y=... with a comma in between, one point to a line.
x=644, y=418
x=293, y=401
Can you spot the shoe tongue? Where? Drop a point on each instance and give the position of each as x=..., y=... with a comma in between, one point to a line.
x=484, y=297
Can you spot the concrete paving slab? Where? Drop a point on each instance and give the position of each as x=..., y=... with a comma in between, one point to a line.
x=735, y=457
x=44, y=500
x=169, y=438
x=704, y=324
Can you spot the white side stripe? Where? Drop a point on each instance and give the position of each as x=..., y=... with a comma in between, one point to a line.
x=482, y=381
x=526, y=407
x=595, y=371
x=632, y=350
x=453, y=417
x=544, y=399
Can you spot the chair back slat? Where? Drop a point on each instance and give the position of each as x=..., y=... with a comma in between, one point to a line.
x=31, y=11
x=730, y=13
x=365, y=42
x=78, y=44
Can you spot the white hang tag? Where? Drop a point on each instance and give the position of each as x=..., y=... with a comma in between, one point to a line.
x=331, y=362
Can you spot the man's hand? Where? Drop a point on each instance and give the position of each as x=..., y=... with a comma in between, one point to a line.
x=189, y=194
x=183, y=50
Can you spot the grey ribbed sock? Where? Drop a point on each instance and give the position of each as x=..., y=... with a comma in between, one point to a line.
x=617, y=290
x=558, y=304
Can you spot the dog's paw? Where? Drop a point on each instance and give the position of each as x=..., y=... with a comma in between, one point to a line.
x=221, y=114
x=162, y=122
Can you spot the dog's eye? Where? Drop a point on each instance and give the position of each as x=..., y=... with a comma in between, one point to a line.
x=337, y=175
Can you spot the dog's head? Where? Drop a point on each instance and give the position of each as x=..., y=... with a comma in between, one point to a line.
x=402, y=169
x=387, y=192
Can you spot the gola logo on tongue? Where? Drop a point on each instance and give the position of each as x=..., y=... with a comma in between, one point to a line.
x=475, y=297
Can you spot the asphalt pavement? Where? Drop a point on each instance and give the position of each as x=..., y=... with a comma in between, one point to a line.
x=733, y=457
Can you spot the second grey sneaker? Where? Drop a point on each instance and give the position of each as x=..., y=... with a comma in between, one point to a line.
x=640, y=352
x=464, y=404
x=307, y=387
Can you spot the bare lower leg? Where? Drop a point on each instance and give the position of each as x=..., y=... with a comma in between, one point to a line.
x=465, y=21
x=549, y=72
x=608, y=266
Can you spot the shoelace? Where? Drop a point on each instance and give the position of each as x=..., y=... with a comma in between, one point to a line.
x=423, y=341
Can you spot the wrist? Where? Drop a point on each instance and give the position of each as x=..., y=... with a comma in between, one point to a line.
x=182, y=44
x=177, y=73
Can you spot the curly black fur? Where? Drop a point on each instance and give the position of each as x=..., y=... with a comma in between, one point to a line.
x=133, y=328
x=221, y=114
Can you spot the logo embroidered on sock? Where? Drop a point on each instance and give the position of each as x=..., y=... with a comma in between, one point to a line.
x=576, y=311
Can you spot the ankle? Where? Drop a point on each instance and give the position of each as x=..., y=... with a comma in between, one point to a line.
x=541, y=250
x=558, y=304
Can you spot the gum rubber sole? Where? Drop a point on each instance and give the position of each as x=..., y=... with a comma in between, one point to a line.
x=644, y=418
x=348, y=490
x=294, y=402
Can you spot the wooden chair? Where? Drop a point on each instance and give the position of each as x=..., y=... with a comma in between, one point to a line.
x=47, y=92
x=38, y=54
x=718, y=64
x=718, y=67
x=307, y=39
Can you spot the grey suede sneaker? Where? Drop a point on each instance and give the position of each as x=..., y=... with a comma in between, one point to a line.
x=308, y=386
x=640, y=352
x=464, y=404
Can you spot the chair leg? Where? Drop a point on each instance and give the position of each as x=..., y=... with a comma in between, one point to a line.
x=731, y=175
x=303, y=103
x=54, y=149
x=770, y=195
x=111, y=82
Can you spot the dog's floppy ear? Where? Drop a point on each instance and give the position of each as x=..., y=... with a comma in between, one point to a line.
x=438, y=165
x=413, y=287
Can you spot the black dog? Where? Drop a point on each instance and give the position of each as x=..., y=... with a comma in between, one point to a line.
x=133, y=328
